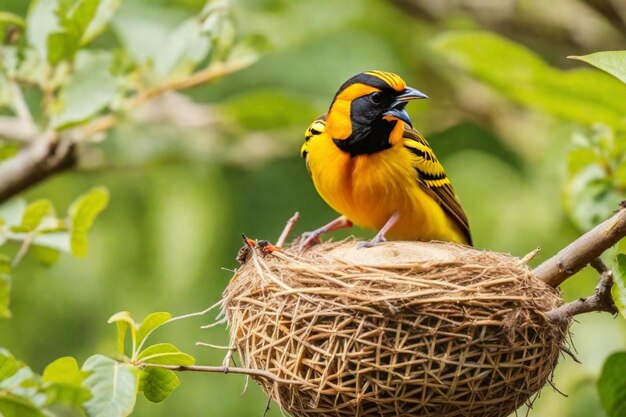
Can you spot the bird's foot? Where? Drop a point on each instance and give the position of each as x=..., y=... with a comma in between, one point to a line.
x=371, y=243
x=309, y=239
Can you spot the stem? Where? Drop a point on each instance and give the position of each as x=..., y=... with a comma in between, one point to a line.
x=583, y=250
x=287, y=230
x=221, y=369
x=600, y=301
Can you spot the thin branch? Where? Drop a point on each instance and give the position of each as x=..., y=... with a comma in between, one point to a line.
x=44, y=157
x=54, y=152
x=221, y=369
x=12, y=128
x=583, y=250
x=287, y=230
x=600, y=301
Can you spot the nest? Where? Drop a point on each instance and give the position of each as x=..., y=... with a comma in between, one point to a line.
x=401, y=329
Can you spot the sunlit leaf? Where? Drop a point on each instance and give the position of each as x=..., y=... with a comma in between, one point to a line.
x=185, y=47
x=620, y=284
x=59, y=241
x=65, y=378
x=61, y=46
x=82, y=214
x=581, y=95
x=35, y=212
x=41, y=21
x=8, y=365
x=101, y=19
x=165, y=354
x=613, y=62
x=91, y=89
x=13, y=406
x=157, y=383
x=11, y=211
x=150, y=323
x=113, y=387
x=64, y=370
x=612, y=385
x=124, y=322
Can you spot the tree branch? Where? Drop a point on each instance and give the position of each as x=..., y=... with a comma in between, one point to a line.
x=600, y=301
x=56, y=152
x=46, y=156
x=221, y=369
x=583, y=250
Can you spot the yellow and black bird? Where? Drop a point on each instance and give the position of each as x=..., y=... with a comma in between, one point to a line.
x=370, y=165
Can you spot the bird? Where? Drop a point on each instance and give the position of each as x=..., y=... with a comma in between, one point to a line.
x=370, y=165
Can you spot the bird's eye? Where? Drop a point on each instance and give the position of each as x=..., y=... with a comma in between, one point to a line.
x=376, y=97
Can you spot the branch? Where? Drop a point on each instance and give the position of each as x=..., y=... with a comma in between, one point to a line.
x=45, y=157
x=221, y=369
x=287, y=230
x=583, y=250
x=56, y=152
x=600, y=301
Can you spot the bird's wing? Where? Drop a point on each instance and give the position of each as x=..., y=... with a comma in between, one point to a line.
x=315, y=129
x=433, y=178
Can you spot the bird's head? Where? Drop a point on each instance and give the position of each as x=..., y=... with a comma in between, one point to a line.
x=366, y=109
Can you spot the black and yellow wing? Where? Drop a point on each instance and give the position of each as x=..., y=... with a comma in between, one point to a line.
x=433, y=178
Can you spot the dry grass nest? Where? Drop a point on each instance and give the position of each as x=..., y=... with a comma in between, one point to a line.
x=401, y=329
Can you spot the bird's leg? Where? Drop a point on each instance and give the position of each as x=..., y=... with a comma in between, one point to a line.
x=380, y=236
x=312, y=238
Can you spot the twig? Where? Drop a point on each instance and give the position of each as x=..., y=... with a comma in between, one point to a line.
x=55, y=152
x=44, y=157
x=221, y=369
x=600, y=301
x=287, y=230
x=583, y=250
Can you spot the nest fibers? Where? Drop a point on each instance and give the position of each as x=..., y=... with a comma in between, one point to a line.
x=401, y=329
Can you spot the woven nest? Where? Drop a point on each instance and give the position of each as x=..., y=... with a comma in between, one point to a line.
x=401, y=329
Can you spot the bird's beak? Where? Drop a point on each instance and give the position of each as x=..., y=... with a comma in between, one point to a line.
x=397, y=107
x=410, y=94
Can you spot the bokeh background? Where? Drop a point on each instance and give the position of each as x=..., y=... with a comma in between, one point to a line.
x=191, y=172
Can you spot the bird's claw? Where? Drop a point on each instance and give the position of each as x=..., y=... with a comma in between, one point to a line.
x=309, y=239
x=371, y=243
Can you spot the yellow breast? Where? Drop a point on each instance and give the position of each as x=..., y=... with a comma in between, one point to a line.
x=368, y=189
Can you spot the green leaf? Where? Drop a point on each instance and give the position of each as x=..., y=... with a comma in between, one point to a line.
x=64, y=371
x=124, y=322
x=5, y=296
x=165, y=354
x=59, y=241
x=82, y=214
x=104, y=14
x=41, y=21
x=12, y=19
x=613, y=62
x=8, y=365
x=62, y=46
x=157, y=383
x=35, y=212
x=47, y=256
x=11, y=212
x=150, y=323
x=579, y=95
x=113, y=387
x=64, y=379
x=612, y=385
x=91, y=89
x=13, y=406
x=620, y=284
x=184, y=48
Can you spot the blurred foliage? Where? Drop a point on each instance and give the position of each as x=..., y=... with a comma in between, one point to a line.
x=520, y=132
